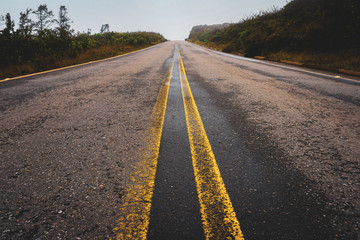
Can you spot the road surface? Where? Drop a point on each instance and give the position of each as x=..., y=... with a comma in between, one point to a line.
x=180, y=142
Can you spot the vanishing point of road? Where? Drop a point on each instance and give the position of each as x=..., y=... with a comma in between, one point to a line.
x=177, y=141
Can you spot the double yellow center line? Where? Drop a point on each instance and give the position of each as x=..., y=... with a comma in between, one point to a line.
x=218, y=215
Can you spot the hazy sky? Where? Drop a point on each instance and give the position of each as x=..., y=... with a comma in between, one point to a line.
x=172, y=18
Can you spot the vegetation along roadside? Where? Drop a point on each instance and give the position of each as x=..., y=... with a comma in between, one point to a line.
x=317, y=33
x=47, y=43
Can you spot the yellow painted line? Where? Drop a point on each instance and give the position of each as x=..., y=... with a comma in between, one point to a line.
x=72, y=66
x=218, y=215
x=135, y=209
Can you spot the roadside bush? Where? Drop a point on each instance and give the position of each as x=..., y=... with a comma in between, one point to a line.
x=323, y=27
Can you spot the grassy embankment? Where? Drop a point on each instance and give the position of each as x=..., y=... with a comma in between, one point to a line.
x=317, y=33
x=24, y=55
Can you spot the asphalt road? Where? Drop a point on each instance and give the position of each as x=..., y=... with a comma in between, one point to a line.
x=281, y=145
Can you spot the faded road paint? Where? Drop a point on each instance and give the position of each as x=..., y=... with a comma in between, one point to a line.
x=135, y=210
x=218, y=216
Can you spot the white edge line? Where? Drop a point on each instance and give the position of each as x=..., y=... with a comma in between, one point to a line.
x=333, y=76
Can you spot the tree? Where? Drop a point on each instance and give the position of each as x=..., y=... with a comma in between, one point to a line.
x=25, y=23
x=7, y=45
x=105, y=28
x=44, y=18
x=2, y=19
x=9, y=29
x=64, y=23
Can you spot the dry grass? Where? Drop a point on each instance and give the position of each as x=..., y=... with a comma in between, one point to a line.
x=329, y=61
x=212, y=45
x=89, y=55
x=343, y=60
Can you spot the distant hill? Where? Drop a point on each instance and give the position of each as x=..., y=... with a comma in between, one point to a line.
x=321, y=32
x=198, y=31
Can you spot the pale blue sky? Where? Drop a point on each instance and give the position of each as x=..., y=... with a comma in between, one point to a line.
x=172, y=18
